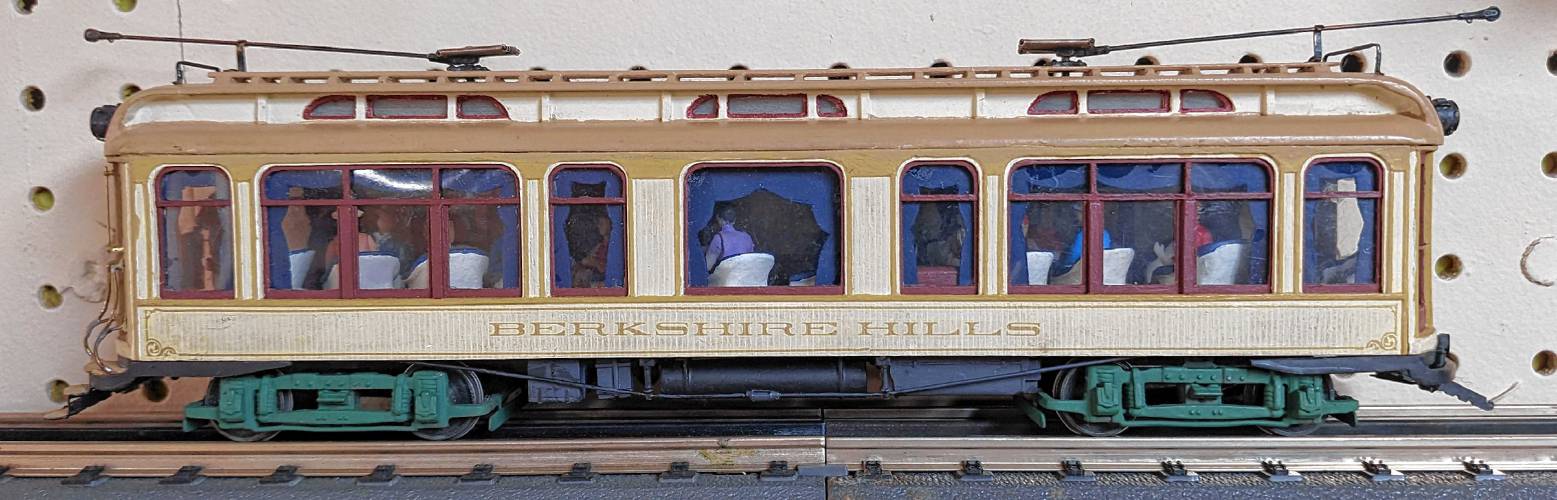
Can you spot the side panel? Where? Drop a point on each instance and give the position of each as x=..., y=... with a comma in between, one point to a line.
x=854, y=328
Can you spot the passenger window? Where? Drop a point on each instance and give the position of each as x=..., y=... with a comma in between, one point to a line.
x=331, y=107
x=1340, y=226
x=387, y=221
x=1048, y=227
x=408, y=106
x=1231, y=206
x=1054, y=103
x=1140, y=223
x=194, y=208
x=767, y=106
x=763, y=229
x=300, y=231
x=481, y=230
x=588, y=231
x=939, y=248
x=1127, y=101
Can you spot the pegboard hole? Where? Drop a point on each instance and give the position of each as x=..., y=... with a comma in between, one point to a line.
x=1448, y=267
x=839, y=65
x=1146, y=61
x=1250, y=58
x=42, y=199
x=155, y=390
x=32, y=98
x=49, y=297
x=26, y=6
x=1549, y=165
x=1043, y=61
x=1544, y=363
x=1452, y=166
x=128, y=90
x=1551, y=63
x=1457, y=63
x=124, y=5
x=55, y=389
x=739, y=67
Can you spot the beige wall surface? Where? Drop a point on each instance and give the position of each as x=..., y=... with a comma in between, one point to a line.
x=1496, y=216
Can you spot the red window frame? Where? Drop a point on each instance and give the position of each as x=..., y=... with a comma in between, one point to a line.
x=620, y=201
x=973, y=233
x=1162, y=107
x=162, y=204
x=1378, y=225
x=437, y=239
x=1224, y=104
x=459, y=108
x=1075, y=103
x=310, y=112
x=843, y=111
x=1185, y=220
x=840, y=238
x=701, y=100
x=733, y=98
x=373, y=99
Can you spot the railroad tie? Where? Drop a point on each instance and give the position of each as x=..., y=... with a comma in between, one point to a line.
x=188, y=475
x=480, y=474
x=285, y=475
x=383, y=475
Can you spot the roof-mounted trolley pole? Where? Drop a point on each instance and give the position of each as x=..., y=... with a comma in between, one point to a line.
x=458, y=59
x=1071, y=51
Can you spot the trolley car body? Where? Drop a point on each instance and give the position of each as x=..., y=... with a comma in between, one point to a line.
x=995, y=142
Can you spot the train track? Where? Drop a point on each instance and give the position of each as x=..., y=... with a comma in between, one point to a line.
x=781, y=456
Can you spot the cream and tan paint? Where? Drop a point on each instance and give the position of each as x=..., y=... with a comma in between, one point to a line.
x=871, y=154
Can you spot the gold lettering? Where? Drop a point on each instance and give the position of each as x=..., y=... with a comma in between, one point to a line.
x=973, y=329
x=867, y=327
x=549, y=328
x=597, y=328
x=930, y=330
x=629, y=328
x=722, y=328
x=784, y=328
x=507, y=329
x=674, y=329
x=1023, y=329
x=821, y=328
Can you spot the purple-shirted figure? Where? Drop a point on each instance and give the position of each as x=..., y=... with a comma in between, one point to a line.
x=728, y=242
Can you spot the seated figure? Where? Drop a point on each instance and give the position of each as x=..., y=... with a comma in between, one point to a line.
x=722, y=257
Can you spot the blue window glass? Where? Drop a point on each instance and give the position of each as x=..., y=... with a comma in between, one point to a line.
x=1232, y=223
x=770, y=228
x=588, y=231
x=1340, y=226
x=938, y=247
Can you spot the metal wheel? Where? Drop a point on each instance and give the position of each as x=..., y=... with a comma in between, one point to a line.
x=1069, y=385
x=464, y=388
x=213, y=397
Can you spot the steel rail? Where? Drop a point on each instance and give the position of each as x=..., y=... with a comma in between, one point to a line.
x=756, y=454
x=1218, y=454
x=410, y=458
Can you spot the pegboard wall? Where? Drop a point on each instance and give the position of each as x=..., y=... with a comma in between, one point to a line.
x=1494, y=239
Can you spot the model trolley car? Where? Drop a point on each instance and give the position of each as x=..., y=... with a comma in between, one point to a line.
x=1138, y=246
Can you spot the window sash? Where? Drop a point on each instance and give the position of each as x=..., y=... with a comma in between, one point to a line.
x=1185, y=220
x=438, y=246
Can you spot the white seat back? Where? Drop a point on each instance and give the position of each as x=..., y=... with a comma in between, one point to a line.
x=1220, y=266
x=467, y=269
x=377, y=271
x=1038, y=264
x=1116, y=265
x=749, y=269
x=300, y=261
